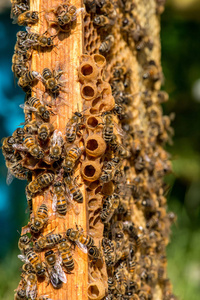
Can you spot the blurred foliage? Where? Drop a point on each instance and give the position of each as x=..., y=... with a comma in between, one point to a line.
x=181, y=65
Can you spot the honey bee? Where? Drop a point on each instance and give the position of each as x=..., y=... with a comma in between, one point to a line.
x=59, y=199
x=118, y=148
x=160, y=6
x=110, y=204
x=119, y=72
x=66, y=255
x=94, y=253
x=32, y=127
x=21, y=291
x=101, y=20
x=15, y=169
x=34, y=40
x=73, y=126
x=18, y=7
x=19, y=67
x=121, y=277
x=40, y=220
x=52, y=81
x=27, y=17
x=109, y=250
x=150, y=205
x=35, y=105
x=56, y=144
x=133, y=232
x=24, y=243
x=47, y=241
x=39, y=267
x=69, y=16
x=56, y=273
x=45, y=130
x=109, y=171
x=151, y=72
x=83, y=241
x=39, y=183
x=162, y=97
x=107, y=44
x=31, y=288
x=108, y=128
x=27, y=78
x=32, y=147
x=7, y=146
x=18, y=135
x=93, y=5
x=72, y=156
x=73, y=190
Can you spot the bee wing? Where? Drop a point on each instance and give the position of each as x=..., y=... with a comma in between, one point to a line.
x=23, y=258
x=60, y=272
x=82, y=247
x=19, y=147
x=57, y=138
x=27, y=107
x=31, y=291
x=74, y=206
x=119, y=130
x=9, y=178
x=54, y=203
x=78, y=11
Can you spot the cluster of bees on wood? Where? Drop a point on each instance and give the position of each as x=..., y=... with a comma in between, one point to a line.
x=134, y=255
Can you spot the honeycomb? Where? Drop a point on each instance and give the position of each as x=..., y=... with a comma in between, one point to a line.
x=92, y=150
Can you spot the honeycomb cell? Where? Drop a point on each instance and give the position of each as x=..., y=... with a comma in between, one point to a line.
x=95, y=145
x=96, y=290
x=91, y=170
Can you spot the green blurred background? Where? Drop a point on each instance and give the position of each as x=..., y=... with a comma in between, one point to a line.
x=180, y=39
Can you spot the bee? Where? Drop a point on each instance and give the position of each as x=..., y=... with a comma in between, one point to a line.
x=150, y=205
x=7, y=146
x=83, y=241
x=19, y=67
x=72, y=156
x=18, y=7
x=35, y=105
x=40, y=220
x=70, y=15
x=101, y=20
x=56, y=273
x=133, y=232
x=119, y=72
x=108, y=128
x=31, y=288
x=92, y=5
x=51, y=80
x=15, y=169
x=18, y=135
x=47, y=241
x=59, y=199
x=35, y=40
x=66, y=255
x=56, y=144
x=73, y=126
x=111, y=203
x=109, y=171
x=151, y=72
x=160, y=6
x=94, y=253
x=24, y=243
x=21, y=291
x=162, y=97
x=73, y=190
x=32, y=147
x=27, y=78
x=107, y=44
x=118, y=148
x=45, y=130
x=32, y=127
x=39, y=267
x=121, y=277
x=40, y=182
x=27, y=17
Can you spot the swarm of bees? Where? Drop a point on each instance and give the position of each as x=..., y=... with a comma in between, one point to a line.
x=132, y=167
